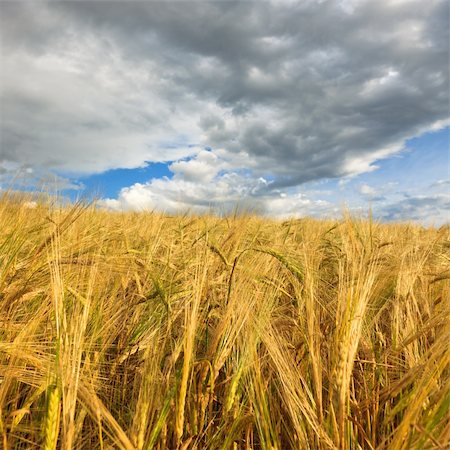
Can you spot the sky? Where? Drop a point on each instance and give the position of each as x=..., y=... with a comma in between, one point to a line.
x=285, y=108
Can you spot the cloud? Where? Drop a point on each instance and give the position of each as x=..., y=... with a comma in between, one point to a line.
x=23, y=177
x=73, y=105
x=225, y=192
x=202, y=168
x=365, y=189
x=441, y=184
x=370, y=193
x=199, y=186
x=220, y=196
x=308, y=91
x=428, y=209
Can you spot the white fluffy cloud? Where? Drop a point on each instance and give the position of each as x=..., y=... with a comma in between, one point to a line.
x=198, y=185
x=203, y=168
x=222, y=195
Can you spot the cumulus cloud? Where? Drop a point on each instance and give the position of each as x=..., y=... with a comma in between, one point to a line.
x=203, y=167
x=223, y=195
x=199, y=186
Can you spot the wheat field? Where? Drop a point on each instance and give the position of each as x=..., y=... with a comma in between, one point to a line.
x=150, y=331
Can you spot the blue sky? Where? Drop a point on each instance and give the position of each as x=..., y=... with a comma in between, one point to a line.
x=305, y=108
x=109, y=183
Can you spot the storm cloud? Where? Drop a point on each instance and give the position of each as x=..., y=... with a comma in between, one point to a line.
x=291, y=92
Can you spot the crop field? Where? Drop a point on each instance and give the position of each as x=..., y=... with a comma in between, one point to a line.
x=150, y=331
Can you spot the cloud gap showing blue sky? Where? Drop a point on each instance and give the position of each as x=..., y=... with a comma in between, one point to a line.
x=287, y=108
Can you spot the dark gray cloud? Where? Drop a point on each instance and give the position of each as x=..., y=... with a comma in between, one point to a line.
x=300, y=91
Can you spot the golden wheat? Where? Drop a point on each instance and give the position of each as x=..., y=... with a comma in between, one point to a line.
x=148, y=331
